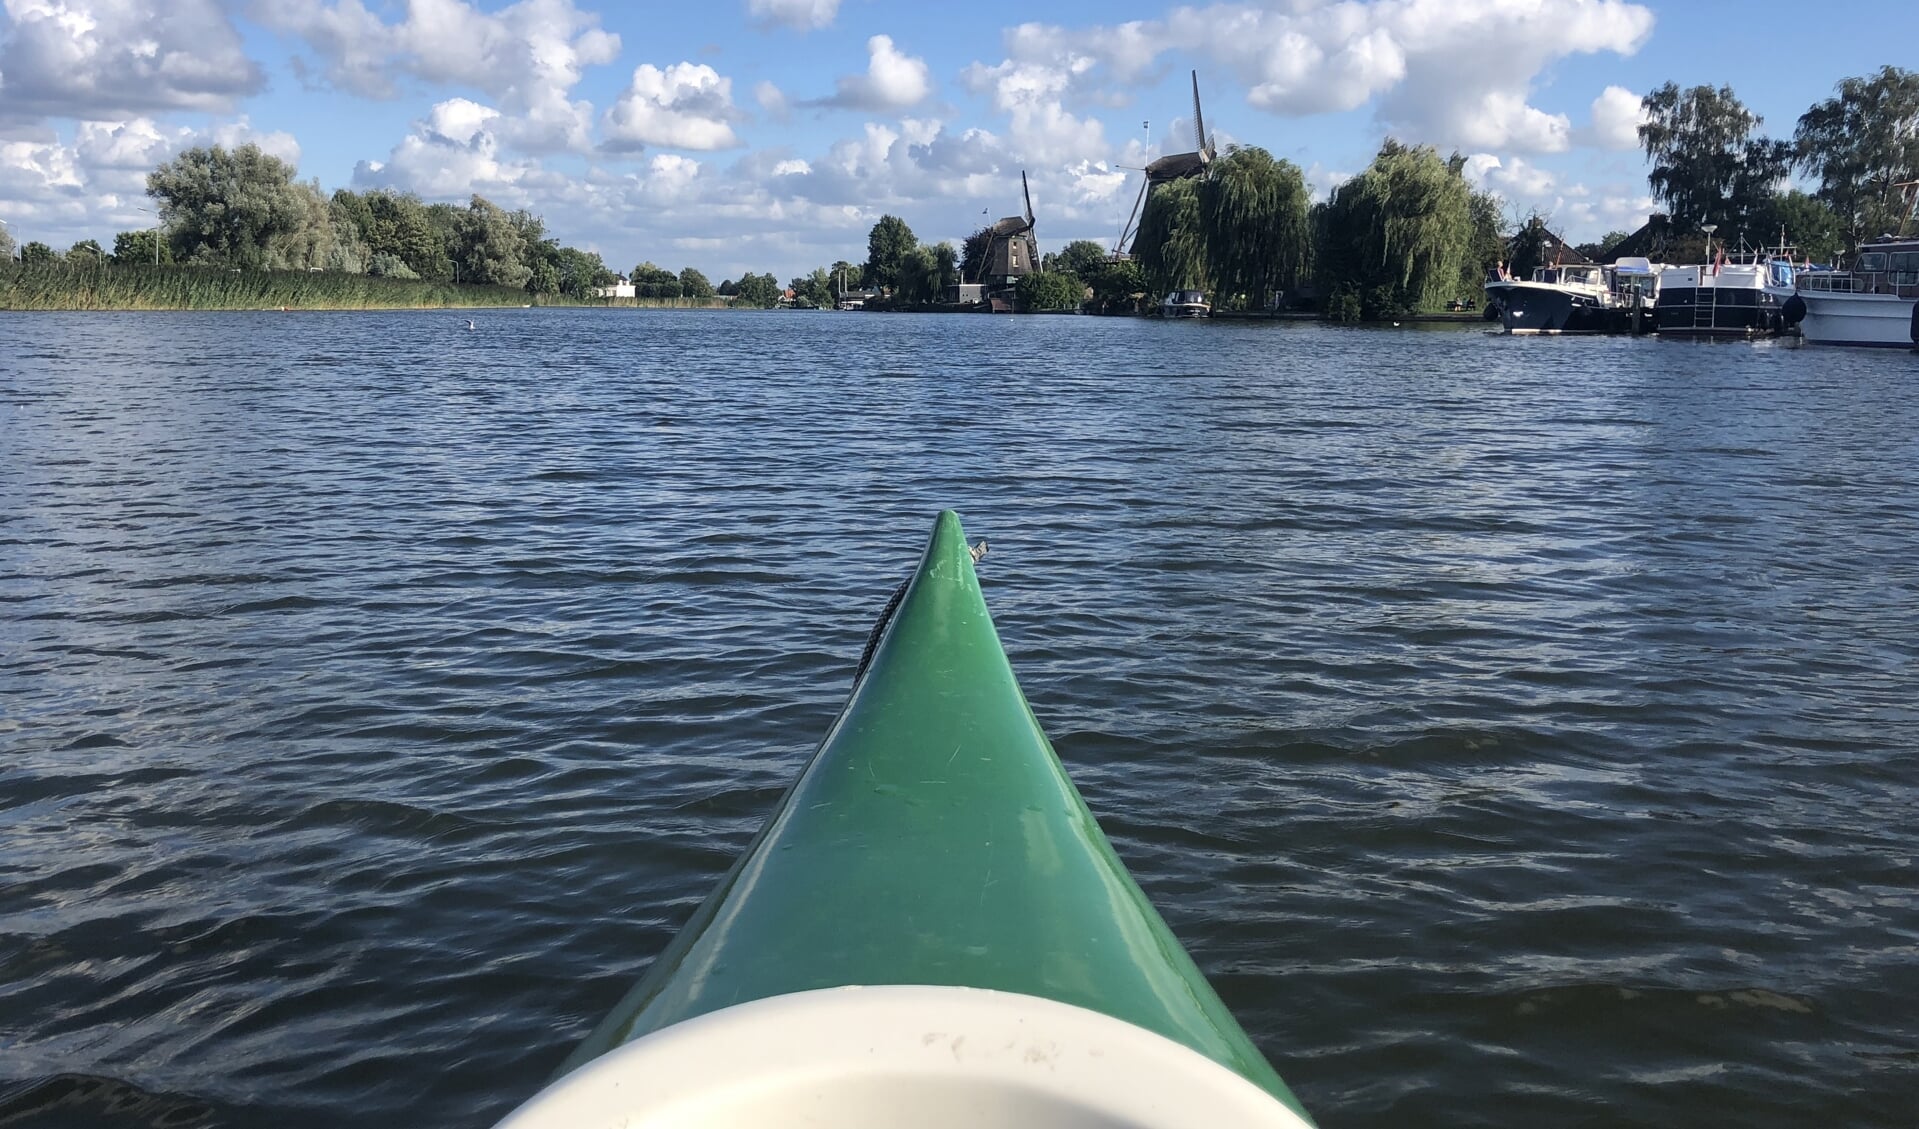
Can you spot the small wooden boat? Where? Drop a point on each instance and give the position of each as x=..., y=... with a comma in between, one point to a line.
x=930, y=930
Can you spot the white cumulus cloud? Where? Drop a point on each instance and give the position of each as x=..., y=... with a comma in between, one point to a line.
x=98, y=59
x=1616, y=118
x=893, y=80
x=528, y=56
x=804, y=15
x=685, y=106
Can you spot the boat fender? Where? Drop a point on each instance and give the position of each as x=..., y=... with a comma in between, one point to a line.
x=1914, y=334
x=1794, y=311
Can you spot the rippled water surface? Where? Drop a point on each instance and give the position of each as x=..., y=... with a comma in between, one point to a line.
x=1518, y=732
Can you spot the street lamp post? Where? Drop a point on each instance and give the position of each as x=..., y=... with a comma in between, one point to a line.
x=156, y=232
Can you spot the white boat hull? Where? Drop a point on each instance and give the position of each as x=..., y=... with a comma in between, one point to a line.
x=1880, y=320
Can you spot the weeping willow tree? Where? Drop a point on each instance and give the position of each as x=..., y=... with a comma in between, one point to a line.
x=1395, y=238
x=1171, y=245
x=1259, y=234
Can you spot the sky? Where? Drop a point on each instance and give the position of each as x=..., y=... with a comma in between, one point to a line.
x=769, y=135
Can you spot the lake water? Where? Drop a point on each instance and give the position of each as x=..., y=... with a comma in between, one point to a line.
x=1518, y=732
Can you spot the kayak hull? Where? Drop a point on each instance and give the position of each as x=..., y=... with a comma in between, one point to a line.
x=934, y=839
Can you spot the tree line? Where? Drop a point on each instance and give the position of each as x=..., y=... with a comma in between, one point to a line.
x=245, y=209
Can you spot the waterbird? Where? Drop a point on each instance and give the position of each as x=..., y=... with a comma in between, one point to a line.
x=469, y=324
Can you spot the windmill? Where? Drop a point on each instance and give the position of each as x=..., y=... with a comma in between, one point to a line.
x=1173, y=166
x=1012, y=249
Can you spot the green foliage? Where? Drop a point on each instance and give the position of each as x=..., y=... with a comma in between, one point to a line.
x=758, y=290
x=1486, y=248
x=693, y=284
x=1398, y=236
x=1529, y=247
x=1805, y=222
x=52, y=285
x=86, y=252
x=845, y=276
x=6, y=244
x=1708, y=164
x=490, y=248
x=1082, y=257
x=815, y=289
x=1601, y=249
x=1171, y=244
x=1860, y=144
x=136, y=248
x=398, y=224
x=917, y=280
x=651, y=281
x=581, y=273
x=1114, y=285
x=1049, y=290
x=1255, y=212
x=946, y=260
x=973, y=254
x=228, y=207
x=887, y=248
x=727, y=288
x=387, y=265
x=37, y=253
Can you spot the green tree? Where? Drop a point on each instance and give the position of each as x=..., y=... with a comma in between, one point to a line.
x=973, y=252
x=946, y=260
x=1861, y=143
x=228, y=206
x=1601, y=249
x=136, y=248
x=1530, y=247
x=727, y=288
x=582, y=273
x=650, y=281
x=1487, y=248
x=489, y=246
x=1082, y=257
x=1115, y=283
x=917, y=278
x=693, y=284
x=6, y=245
x=87, y=252
x=1171, y=244
x=1397, y=237
x=815, y=288
x=1709, y=164
x=1804, y=222
x=398, y=224
x=1259, y=236
x=759, y=290
x=845, y=276
x=1049, y=290
x=887, y=247
x=37, y=253
x=387, y=265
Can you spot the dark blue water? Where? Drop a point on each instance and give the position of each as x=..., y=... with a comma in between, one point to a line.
x=1518, y=732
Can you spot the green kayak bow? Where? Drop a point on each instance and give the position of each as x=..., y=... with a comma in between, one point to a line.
x=931, y=876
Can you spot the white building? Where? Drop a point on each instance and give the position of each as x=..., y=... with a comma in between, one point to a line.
x=622, y=288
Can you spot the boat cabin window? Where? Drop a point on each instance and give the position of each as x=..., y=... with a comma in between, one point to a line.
x=1872, y=261
x=1546, y=274
x=1905, y=260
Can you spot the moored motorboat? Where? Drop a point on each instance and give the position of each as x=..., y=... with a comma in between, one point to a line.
x=1875, y=302
x=1573, y=299
x=1185, y=304
x=930, y=929
x=1740, y=297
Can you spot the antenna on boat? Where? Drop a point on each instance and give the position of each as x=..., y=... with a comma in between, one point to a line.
x=1911, y=188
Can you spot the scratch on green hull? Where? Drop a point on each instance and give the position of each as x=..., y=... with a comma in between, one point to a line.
x=934, y=838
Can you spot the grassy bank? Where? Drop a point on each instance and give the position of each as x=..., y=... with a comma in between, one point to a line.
x=69, y=286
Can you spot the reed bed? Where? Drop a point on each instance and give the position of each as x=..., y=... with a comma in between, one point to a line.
x=77, y=286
